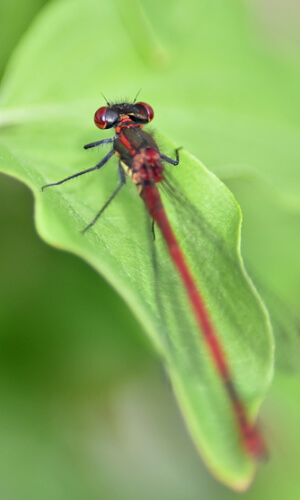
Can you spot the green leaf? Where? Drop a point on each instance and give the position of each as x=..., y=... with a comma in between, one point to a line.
x=51, y=90
x=12, y=26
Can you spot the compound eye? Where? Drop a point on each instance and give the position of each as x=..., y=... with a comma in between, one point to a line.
x=146, y=113
x=100, y=117
x=105, y=117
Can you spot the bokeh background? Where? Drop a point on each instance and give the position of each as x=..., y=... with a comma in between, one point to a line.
x=86, y=409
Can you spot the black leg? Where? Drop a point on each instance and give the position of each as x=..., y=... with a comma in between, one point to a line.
x=153, y=229
x=170, y=160
x=99, y=165
x=99, y=143
x=122, y=182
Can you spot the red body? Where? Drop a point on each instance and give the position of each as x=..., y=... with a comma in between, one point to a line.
x=139, y=152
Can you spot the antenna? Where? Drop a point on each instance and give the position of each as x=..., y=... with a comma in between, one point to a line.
x=134, y=100
x=108, y=104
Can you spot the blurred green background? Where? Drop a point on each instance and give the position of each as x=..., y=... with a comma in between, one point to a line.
x=86, y=410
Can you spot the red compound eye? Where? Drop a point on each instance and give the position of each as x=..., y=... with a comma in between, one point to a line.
x=100, y=117
x=106, y=117
x=145, y=111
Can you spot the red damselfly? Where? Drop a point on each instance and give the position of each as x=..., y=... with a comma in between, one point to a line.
x=142, y=161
